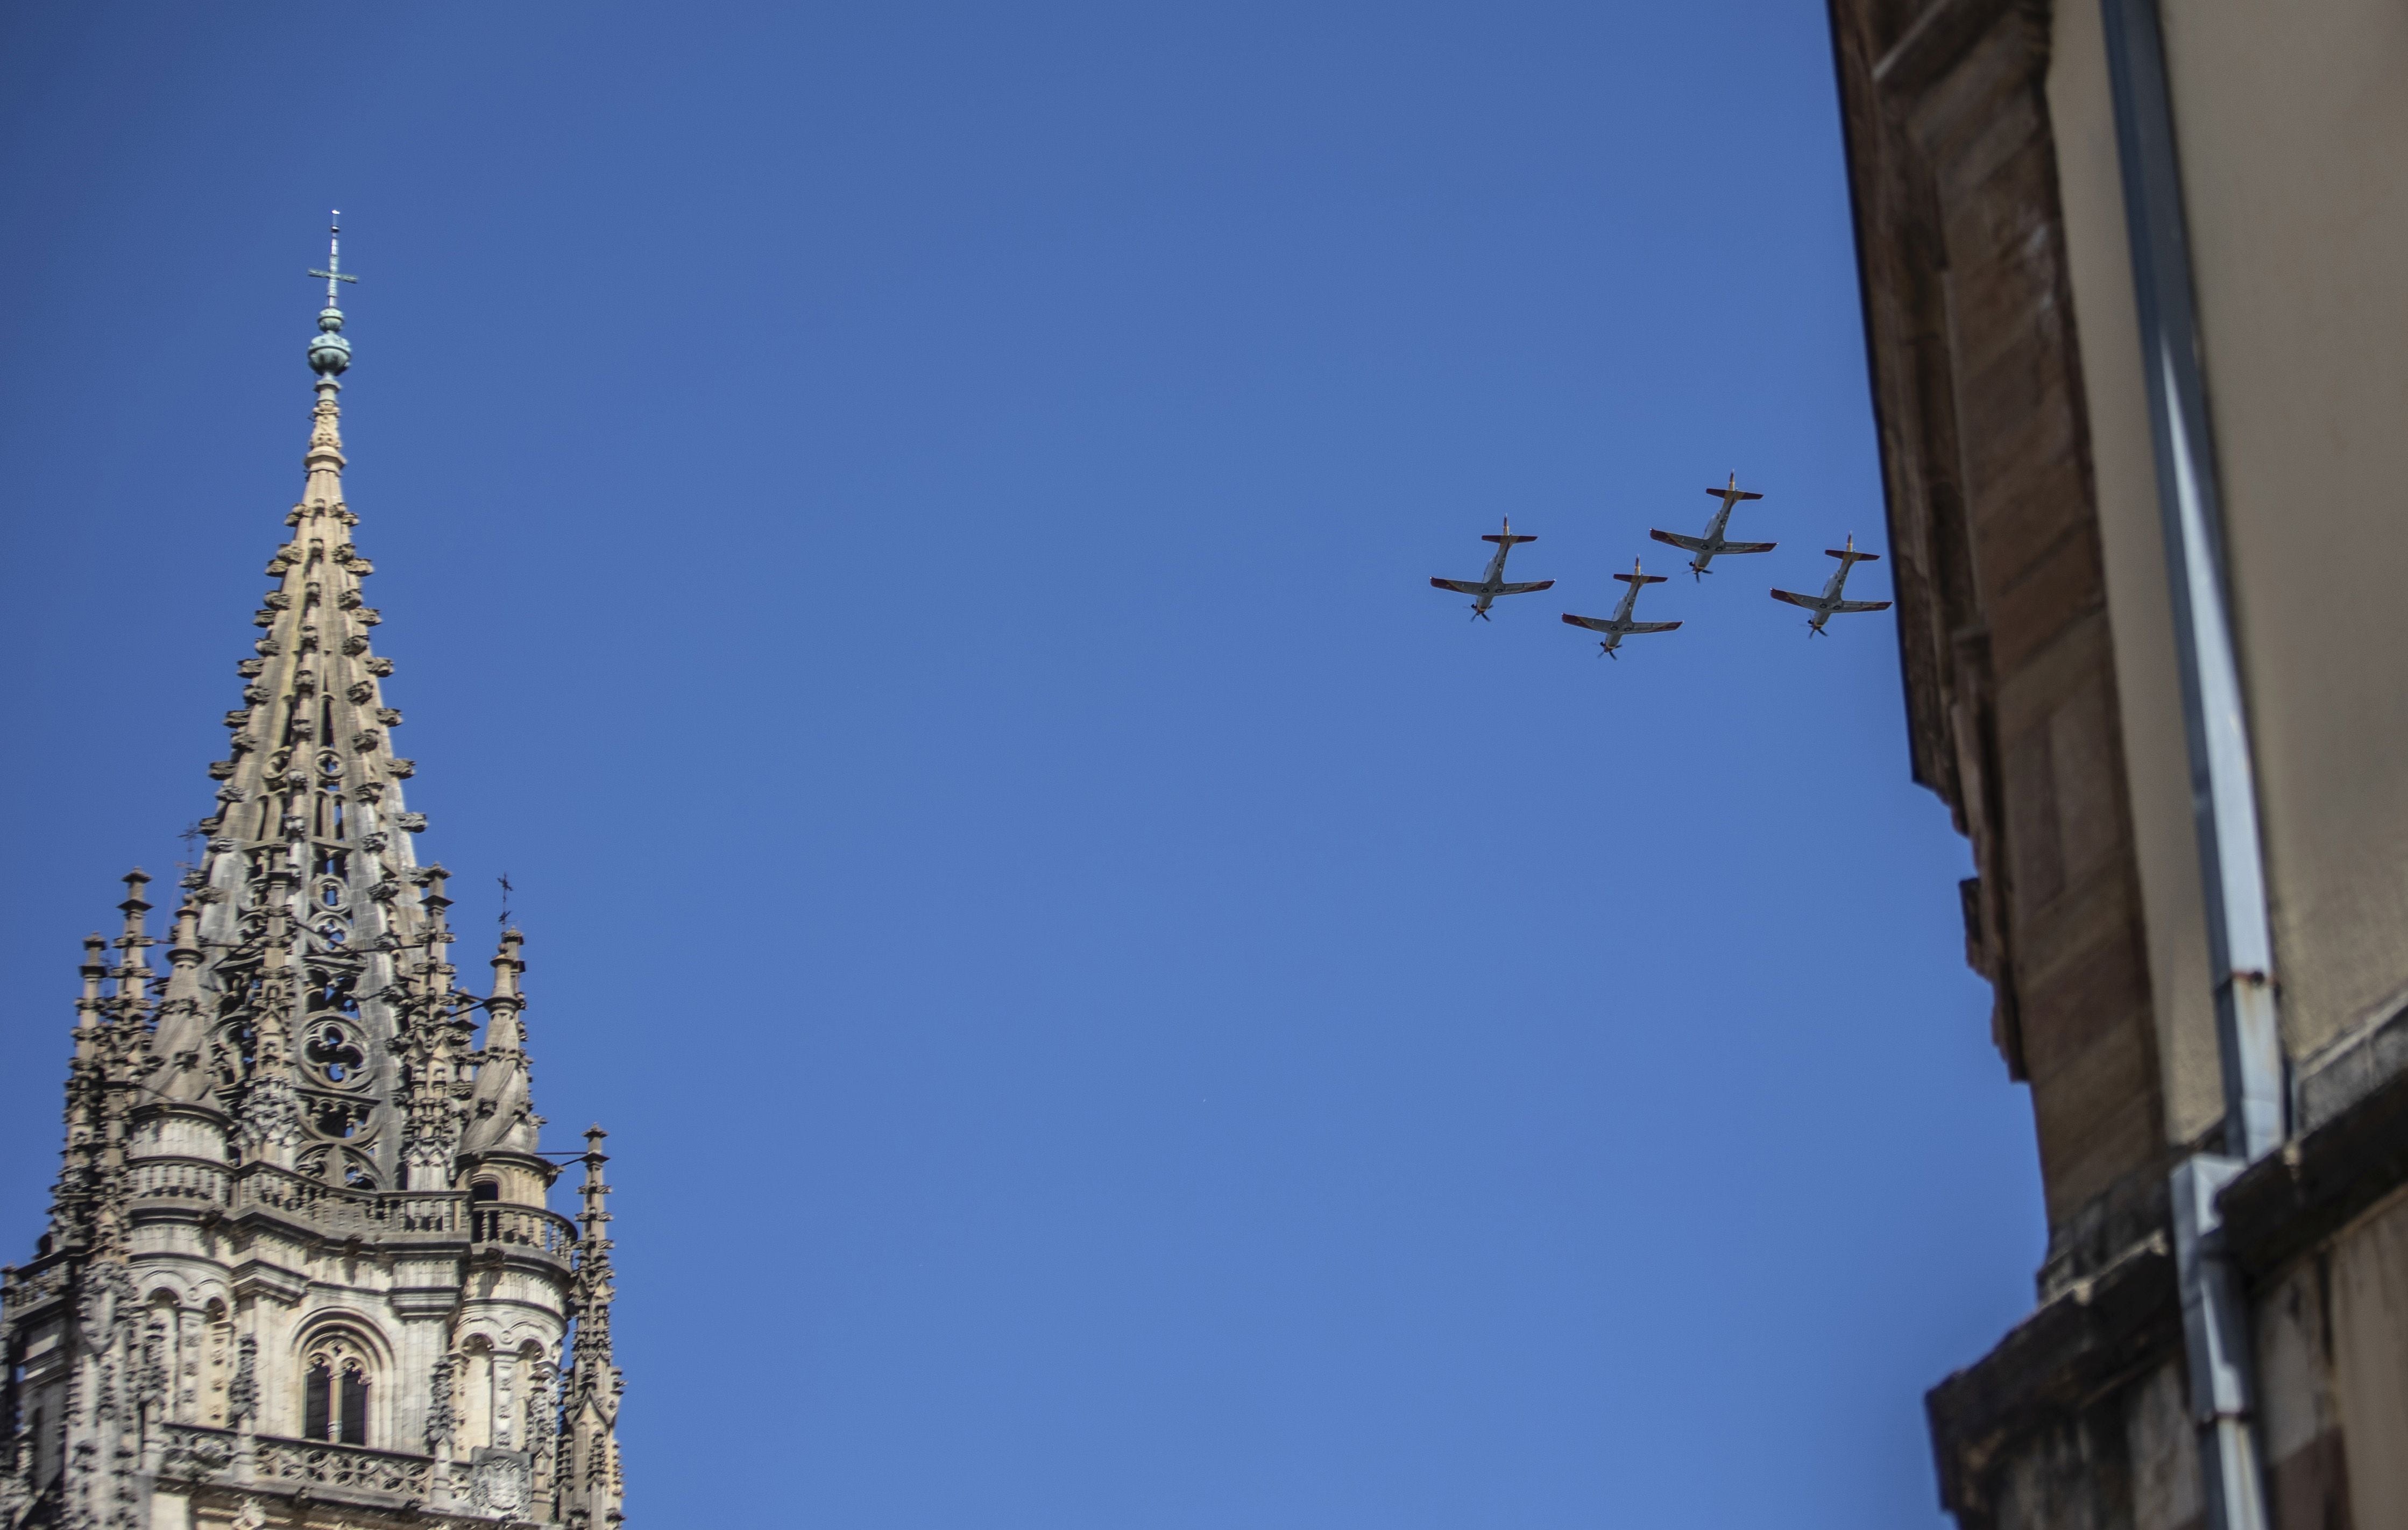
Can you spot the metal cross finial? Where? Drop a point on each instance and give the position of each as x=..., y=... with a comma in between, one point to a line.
x=506, y=889
x=334, y=271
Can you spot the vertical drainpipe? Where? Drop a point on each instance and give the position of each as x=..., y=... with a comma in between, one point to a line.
x=2223, y=797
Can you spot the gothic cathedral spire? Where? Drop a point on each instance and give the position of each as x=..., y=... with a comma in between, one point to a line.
x=299, y=1266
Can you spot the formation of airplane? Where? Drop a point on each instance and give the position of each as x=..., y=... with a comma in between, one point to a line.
x=1828, y=604
x=1492, y=583
x=1702, y=551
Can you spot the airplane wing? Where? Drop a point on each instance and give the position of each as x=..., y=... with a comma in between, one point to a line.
x=1594, y=623
x=1686, y=544
x=1651, y=626
x=1796, y=599
x=1525, y=589
x=1747, y=546
x=1847, y=605
x=1460, y=587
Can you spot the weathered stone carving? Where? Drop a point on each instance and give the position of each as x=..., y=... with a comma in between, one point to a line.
x=501, y=1483
x=440, y=1420
x=242, y=1393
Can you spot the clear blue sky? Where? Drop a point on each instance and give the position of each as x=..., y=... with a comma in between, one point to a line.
x=905, y=529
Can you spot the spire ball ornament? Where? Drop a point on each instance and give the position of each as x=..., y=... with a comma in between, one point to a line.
x=329, y=352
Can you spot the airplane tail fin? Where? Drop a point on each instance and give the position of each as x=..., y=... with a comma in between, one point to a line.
x=1508, y=540
x=1641, y=578
x=1849, y=555
x=1734, y=493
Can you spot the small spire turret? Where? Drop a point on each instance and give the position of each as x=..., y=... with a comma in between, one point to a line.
x=505, y=1033
x=133, y=968
x=87, y=1003
x=592, y=1490
x=182, y=1033
x=73, y=1198
x=501, y=1113
x=591, y=1216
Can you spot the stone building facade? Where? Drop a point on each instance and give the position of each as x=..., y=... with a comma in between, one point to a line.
x=2131, y=273
x=299, y=1271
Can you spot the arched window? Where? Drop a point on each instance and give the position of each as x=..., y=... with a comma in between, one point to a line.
x=334, y=1390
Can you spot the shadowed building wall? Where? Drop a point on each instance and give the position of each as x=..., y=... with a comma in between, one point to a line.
x=2039, y=649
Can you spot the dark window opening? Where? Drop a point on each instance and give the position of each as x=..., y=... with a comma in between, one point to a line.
x=484, y=1225
x=355, y=1407
x=316, y=1400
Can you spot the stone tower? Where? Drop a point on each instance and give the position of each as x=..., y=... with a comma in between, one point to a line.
x=299, y=1272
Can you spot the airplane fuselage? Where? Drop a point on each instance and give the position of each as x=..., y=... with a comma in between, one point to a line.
x=1714, y=538
x=1492, y=583
x=1622, y=618
x=1833, y=593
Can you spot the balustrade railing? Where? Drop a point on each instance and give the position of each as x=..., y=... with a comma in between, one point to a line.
x=523, y=1226
x=363, y=1213
x=342, y=1468
x=367, y=1213
x=194, y=1181
x=198, y=1454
